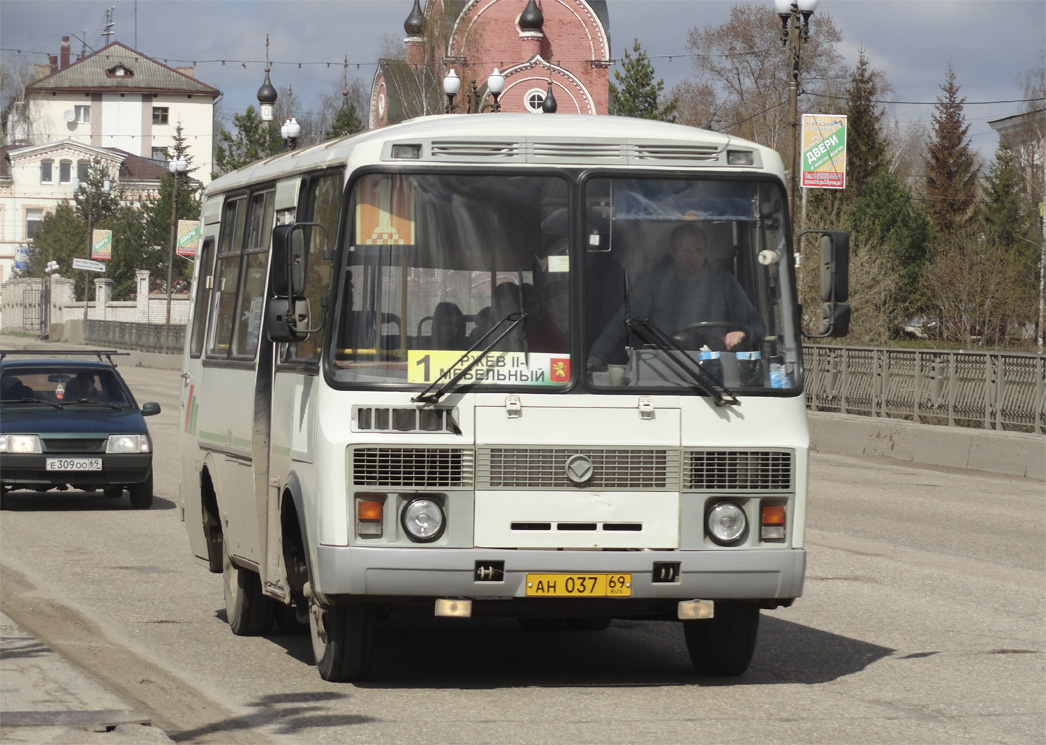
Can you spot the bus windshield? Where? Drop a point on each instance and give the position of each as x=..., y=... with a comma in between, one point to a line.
x=654, y=282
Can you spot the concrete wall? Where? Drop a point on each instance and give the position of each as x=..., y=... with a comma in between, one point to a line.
x=1009, y=453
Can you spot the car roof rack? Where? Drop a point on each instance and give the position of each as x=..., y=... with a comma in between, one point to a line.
x=103, y=355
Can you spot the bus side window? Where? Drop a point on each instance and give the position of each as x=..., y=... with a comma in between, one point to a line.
x=251, y=293
x=226, y=276
x=203, y=281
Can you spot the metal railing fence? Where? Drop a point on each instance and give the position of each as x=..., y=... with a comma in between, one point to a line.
x=143, y=337
x=991, y=390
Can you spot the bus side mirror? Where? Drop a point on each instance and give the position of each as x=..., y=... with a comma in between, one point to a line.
x=288, y=260
x=287, y=320
x=835, y=283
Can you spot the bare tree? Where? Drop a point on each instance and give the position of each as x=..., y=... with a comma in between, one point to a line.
x=741, y=74
x=972, y=283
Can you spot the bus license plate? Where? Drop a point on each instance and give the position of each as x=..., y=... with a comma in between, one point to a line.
x=579, y=585
x=74, y=464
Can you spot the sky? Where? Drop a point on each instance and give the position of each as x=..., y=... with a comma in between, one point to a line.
x=990, y=44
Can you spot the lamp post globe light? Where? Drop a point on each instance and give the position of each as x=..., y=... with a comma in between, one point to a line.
x=290, y=131
x=176, y=165
x=496, y=84
x=795, y=29
x=451, y=86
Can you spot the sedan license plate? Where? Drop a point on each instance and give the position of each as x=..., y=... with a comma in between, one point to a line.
x=579, y=585
x=74, y=464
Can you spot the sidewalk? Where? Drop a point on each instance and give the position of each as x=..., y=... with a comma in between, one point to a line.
x=43, y=699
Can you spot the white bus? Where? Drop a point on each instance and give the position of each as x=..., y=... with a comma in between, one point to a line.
x=451, y=366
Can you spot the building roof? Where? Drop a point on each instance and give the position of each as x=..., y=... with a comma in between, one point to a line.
x=117, y=67
x=133, y=168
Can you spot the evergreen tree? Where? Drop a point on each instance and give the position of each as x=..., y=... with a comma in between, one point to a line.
x=61, y=236
x=886, y=219
x=951, y=169
x=155, y=218
x=865, y=143
x=1006, y=219
x=346, y=122
x=253, y=140
x=636, y=94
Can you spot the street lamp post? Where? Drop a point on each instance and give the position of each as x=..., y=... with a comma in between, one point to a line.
x=176, y=165
x=106, y=187
x=50, y=269
x=795, y=29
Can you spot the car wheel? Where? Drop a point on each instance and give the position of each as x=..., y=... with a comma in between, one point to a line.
x=249, y=611
x=723, y=645
x=342, y=639
x=141, y=494
x=114, y=492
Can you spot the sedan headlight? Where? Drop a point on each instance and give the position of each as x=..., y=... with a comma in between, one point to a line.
x=20, y=444
x=727, y=523
x=127, y=444
x=423, y=519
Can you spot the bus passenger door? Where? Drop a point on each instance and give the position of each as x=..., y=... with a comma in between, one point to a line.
x=189, y=446
x=296, y=380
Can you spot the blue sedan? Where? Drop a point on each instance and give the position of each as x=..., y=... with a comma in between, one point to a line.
x=72, y=423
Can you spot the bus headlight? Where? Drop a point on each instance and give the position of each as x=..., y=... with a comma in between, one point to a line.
x=727, y=523
x=423, y=520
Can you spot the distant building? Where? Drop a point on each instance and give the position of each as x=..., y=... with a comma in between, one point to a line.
x=1026, y=133
x=116, y=106
x=539, y=46
x=116, y=98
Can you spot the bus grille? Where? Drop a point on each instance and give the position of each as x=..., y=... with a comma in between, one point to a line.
x=545, y=468
x=738, y=470
x=412, y=467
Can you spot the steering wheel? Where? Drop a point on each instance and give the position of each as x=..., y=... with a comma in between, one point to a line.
x=697, y=335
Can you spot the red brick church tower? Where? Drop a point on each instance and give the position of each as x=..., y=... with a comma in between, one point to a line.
x=539, y=46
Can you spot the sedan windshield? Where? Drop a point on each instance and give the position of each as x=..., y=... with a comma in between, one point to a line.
x=62, y=386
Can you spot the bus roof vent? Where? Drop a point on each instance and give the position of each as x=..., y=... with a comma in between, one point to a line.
x=676, y=153
x=477, y=150
x=601, y=152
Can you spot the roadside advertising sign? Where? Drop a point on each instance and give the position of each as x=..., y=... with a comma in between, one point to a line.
x=824, y=151
x=101, y=245
x=188, y=238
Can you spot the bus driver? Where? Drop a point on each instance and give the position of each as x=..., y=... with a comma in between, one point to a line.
x=689, y=291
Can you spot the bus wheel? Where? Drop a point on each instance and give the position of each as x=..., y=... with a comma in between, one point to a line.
x=723, y=645
x=249, y=611
x=342, y=639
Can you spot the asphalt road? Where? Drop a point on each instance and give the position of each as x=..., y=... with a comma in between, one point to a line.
x=922, y=622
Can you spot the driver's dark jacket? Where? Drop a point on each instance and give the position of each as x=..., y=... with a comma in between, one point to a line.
x=670, y=302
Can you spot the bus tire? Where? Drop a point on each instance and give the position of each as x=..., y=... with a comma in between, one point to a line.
x=342, y=639
x=723, y=645
x=248, y=610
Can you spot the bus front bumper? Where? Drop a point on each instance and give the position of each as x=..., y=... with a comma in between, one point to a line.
x=774, y=576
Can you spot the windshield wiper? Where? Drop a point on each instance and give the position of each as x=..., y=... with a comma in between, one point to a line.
x=52, y=404
x=94, y=401
x=651, y=334
x=426, y=398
